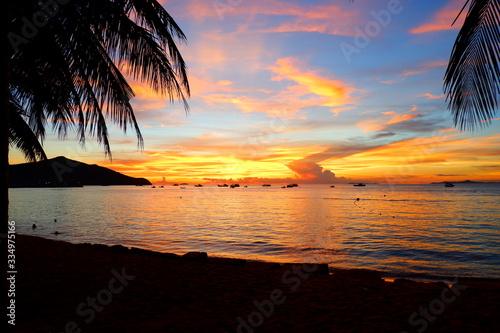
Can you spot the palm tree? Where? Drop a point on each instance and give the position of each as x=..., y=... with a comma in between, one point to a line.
x=472, y=79
x=71, y=73
x=66, y=64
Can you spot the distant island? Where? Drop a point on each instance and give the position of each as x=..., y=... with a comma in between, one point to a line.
x=466, y=182
x=64, y=172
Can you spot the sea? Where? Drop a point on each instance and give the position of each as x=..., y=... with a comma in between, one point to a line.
x=419, y=231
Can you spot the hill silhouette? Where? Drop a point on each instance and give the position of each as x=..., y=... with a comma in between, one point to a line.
x=64, y=172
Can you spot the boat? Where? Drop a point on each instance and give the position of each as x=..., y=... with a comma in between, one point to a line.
x=153, y=186
x=161, y=186
x=290, y=185
x=184, y=184
x=266, y=185
x=175, y=185
x=283, y=186
x=235, y=185
x=448, y=184
x=360, y=184
x=199, y=185
x=331, y=186
x=224, y=185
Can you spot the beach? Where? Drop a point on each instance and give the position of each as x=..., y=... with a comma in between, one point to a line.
x=65, y=287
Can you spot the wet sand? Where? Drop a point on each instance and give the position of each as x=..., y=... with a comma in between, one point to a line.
x=63, y=287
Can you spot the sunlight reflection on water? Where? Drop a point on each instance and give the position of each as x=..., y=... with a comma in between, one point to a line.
x=404, y=229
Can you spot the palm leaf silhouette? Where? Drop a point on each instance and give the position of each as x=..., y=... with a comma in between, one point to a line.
x=72, y=74
x=472, y=79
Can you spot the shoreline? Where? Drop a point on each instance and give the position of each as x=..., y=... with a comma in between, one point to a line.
x=65, y=287
x=386, y=275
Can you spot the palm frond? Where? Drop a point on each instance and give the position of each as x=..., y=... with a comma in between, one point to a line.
x=69, y=73
x=22, y=137
x=472, y=79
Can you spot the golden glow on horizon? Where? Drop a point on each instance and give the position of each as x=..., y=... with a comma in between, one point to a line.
x=263, y=105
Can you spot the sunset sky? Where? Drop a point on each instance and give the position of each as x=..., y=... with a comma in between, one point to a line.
x=319, y=91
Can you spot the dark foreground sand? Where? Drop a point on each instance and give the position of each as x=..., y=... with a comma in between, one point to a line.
x=63, y=287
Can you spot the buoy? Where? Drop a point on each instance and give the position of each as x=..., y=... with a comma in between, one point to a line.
x=34, y=226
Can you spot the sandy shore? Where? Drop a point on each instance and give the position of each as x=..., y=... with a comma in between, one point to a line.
x=63, y=287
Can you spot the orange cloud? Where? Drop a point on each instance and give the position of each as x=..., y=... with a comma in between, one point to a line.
x=431, y=96
x=443, y=19
x=333, y=93
x=437, y=63
x=311, y=89
x=424, y=68
x=398, y=119
x=408, y=72
x=209, y=136
x=375, y=125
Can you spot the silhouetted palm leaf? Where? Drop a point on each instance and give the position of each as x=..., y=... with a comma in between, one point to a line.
x=22, y=137
x=472, y=79
x=71, y=74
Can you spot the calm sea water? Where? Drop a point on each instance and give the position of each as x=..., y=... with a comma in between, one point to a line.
x=401, y=230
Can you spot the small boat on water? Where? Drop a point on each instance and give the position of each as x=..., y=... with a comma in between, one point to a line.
x=199, y=185
x=235, y=185
x=175, y=185
x=360, y=184
x=283, y=186
x=224, y=185
x=448, y=184
x=332, y=186
x=153, y=186
x=266, y=185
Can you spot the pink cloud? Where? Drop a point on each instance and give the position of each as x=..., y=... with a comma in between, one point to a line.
x=299, y=17
x=443, y=19
x=424, y=68
x=431, y=96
